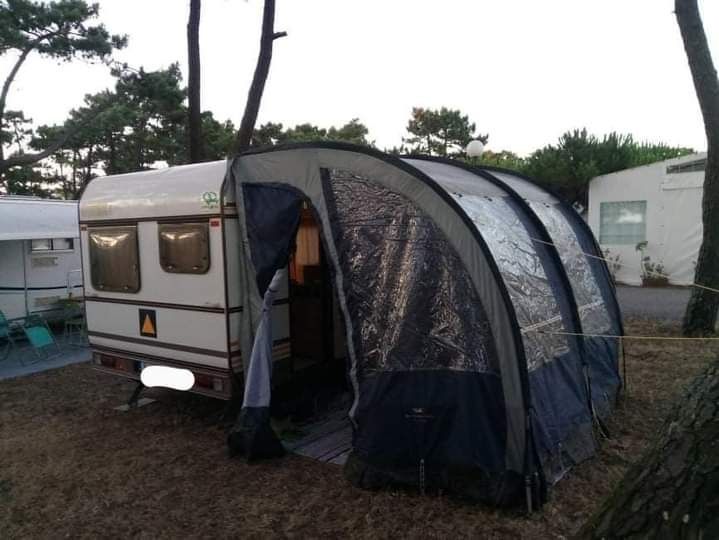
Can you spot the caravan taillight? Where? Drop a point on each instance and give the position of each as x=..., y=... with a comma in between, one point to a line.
x=211, y=383
x=105, y=361
x=113, y=362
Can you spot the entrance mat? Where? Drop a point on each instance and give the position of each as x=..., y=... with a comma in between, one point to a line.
x=328, y=440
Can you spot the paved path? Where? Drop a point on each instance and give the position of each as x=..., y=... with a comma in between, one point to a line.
x=663, y=303
x=12, y=366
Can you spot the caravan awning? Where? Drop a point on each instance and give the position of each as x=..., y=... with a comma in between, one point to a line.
x=31, y=219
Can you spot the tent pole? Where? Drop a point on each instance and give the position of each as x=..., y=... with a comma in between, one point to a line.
x=23, y=243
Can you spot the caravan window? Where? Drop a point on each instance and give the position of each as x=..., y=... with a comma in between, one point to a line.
x=60, y=244
x=114, y=262
x=42, y=244
x=52, y=244
x=184, y=247
x=622, y=222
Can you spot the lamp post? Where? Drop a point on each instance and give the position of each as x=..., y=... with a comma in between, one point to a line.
x=474, y=150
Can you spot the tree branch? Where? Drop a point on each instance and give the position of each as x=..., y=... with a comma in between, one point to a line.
x=11, y=77
x=27, y=159
x=254, y=96
x=278, y=35
x=18, y=64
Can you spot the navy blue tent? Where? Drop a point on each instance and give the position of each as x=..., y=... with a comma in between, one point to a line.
x=464, y=292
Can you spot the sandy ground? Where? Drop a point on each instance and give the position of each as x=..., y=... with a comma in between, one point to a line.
x=71, y=466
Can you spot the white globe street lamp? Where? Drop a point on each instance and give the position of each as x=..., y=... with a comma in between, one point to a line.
x=474, y=149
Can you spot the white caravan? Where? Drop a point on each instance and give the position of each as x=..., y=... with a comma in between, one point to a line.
x=162, y=284
x=658, y=205
x=39, y=254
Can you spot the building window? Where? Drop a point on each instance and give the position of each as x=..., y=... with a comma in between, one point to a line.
x=691, y=166
x=622, y=222
x=114, y=261
x=184, y=247
x=52, y=244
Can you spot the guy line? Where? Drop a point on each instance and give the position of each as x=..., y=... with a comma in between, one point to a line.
x=650, y=272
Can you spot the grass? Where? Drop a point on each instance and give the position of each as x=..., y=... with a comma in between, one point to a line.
x=70, y=465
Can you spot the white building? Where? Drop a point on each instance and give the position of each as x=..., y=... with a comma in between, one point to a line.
x=39, y=254
x=659, y=204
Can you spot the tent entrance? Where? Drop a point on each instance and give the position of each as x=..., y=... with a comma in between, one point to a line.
x=316, y=385
x=311, y=297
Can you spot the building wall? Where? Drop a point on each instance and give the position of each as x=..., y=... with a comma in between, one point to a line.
x=673, y=218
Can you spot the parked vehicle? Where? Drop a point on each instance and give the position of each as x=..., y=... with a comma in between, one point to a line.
x=162, y=272
x=39, y=255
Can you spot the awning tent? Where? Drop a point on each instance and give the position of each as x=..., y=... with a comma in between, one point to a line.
x=25, y=218
x=463, y=292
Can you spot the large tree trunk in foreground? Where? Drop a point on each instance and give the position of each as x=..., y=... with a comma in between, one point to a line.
x=672, y=491
x=193, y=82
x=701, y=314
x=254, y=97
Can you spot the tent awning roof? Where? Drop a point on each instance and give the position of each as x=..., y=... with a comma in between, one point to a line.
x=32, y=219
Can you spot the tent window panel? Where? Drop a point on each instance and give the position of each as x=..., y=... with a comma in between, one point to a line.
x=523, y=273
x=622, y=223
x=411, y=300
x=593, y=311
x=184, y=247
x=114, y=259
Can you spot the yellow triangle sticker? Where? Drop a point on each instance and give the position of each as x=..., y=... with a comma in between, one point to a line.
x=147, y=327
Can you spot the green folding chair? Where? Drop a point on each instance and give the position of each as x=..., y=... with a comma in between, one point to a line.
x=40, y=338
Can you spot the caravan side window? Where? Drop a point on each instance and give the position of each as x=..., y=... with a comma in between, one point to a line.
x=184, y=247
x=623, y=222
x=114, y=261
x=52, y=244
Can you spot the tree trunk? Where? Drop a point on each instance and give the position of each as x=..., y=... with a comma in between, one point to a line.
x=193, y=84
x=75, y=157
x=672, y=491
x=701, y=313
x=111, y=166
x=254, y=97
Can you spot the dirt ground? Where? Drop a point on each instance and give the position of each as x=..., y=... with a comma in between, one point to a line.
x=71, y=466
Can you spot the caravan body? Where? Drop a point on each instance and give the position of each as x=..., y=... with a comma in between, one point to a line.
x=39, y=254
x=160, y=261
x=658, y=206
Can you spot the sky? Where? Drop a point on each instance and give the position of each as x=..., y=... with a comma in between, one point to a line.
x=524, y=70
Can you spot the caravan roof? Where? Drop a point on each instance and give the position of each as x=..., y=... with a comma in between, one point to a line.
x=176, y=191
x=27, y=218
